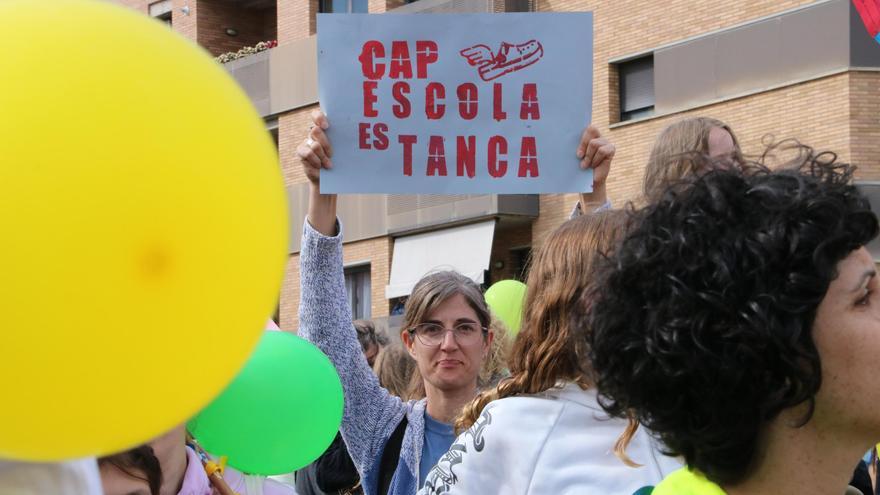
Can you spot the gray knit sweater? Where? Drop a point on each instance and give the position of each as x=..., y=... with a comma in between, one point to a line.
x=371, y=413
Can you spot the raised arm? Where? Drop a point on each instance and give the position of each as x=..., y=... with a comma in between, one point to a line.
x=596, y=152
x=370, y=412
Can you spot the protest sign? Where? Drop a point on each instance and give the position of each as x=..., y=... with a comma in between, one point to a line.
x=455, y=103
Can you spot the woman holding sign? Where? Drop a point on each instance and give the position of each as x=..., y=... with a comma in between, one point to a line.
x=446, y=330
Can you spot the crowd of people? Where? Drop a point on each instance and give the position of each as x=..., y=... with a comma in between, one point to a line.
x=716, y=336
x=712, y=337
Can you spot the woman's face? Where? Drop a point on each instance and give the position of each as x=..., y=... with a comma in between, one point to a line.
x=116, y=482
x=847, y=336
x=454, y=363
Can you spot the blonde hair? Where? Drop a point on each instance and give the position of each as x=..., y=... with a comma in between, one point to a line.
x=548, y=348
x=429, y=293
x=671, y=155
x=394, y=367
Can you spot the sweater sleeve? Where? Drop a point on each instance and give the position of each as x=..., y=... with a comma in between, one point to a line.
x=370, y=413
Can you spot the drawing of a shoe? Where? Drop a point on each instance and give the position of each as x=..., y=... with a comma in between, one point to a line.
x=509, y=58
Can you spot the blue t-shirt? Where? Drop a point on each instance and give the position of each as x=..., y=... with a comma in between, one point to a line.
x=438, y=438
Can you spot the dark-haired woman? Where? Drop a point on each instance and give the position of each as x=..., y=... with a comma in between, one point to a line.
x=740, y=322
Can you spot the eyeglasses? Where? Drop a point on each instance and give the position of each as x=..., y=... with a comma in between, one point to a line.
x=432, y=334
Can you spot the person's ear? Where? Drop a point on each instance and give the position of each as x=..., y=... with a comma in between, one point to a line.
x=408, y=342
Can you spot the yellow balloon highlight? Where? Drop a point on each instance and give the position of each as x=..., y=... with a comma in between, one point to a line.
x=144, y=229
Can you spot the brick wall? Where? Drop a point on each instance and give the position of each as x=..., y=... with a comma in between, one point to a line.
x=837, y=112
x=296, y=19
x=815, y=112
x=376, y=251
x=864, y=123
x=288, y=305
x=185, y=24
x=293, y=128
x=180, y=22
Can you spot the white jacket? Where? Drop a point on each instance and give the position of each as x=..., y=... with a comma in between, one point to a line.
x=557, y=442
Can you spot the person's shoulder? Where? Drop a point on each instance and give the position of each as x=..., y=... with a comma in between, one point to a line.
x=551, y=412
x=519, y=417
x=516, y=404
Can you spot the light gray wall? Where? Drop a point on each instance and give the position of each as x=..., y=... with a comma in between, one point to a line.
x=281, y=79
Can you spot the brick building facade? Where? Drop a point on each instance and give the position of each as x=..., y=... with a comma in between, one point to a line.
x=786, y=68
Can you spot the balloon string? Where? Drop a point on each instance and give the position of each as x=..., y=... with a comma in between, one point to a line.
x=212, y=469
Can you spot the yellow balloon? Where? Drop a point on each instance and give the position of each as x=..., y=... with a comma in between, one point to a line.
x=144, y=229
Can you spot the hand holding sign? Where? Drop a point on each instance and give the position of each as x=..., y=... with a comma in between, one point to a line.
x=315, y=152
x=595, y=152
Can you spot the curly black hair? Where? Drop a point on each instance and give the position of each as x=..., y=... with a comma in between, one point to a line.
x=701, y=320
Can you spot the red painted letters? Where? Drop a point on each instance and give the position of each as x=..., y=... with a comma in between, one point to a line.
x=379, y=62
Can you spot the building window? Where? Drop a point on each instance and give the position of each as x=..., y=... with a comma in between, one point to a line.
x=357, y=286
x=161, y=11
x=344, y=6
x=518, y=6
x=521, y=259
x=636, y=78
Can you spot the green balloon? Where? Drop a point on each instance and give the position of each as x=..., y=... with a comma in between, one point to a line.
x=279, y=414
x=505, y=299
